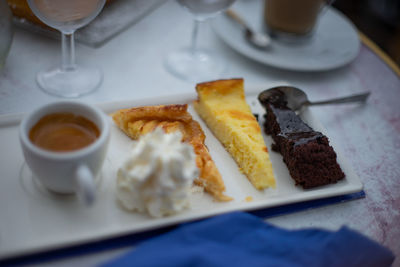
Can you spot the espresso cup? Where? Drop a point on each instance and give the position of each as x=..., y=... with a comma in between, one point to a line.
x=292, y=20
x=72, y=172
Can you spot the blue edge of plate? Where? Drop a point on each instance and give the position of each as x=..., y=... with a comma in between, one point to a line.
x=132, y=239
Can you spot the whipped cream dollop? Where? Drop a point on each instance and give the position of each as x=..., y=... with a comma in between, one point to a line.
x=158, y=174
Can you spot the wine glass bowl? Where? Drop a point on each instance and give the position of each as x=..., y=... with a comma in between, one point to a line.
x=69, y=79
x=66, y=16
x=193, y=63
x=204, y=9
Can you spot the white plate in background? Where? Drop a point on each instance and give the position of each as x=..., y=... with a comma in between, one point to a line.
x=335, y=42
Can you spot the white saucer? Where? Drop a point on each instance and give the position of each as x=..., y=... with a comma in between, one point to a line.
x=335, y=42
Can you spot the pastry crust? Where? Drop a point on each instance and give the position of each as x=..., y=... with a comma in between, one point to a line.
x=138, y=121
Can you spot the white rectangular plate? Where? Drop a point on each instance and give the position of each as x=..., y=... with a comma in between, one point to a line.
x=35, y=220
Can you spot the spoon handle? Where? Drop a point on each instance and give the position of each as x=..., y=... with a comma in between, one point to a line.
x=234, y=16
x=353, y=98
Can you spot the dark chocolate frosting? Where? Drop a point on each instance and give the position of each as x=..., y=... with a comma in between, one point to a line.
x=291, y=126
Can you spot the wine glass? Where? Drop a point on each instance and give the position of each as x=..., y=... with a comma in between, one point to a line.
x=193, y=63
x=69, y=79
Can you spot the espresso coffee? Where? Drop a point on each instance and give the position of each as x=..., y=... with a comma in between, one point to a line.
x=63, y=132
x=296, y=17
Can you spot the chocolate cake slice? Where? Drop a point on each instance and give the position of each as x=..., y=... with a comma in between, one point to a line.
x=309, y=157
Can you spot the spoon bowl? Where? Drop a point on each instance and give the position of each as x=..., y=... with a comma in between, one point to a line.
x=297, y=98
x=259, y=40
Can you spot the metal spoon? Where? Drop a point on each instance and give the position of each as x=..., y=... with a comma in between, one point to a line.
x=257, y=39
x=296, y=98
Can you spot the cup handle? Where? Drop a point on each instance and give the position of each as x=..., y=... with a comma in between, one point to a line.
x=85, y=187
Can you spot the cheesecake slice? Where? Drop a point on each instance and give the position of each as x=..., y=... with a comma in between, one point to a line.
x=222, y=105
x=138, y=121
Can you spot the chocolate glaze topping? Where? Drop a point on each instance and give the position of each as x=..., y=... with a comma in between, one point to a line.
x=291, y=126
x=309, y=157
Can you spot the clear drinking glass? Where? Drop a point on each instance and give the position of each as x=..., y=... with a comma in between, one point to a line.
x=6, y=31
x=69, y=79
x=193, y=63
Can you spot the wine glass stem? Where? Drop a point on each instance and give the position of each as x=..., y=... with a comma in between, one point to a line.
x=195, y=34
x=68, y=51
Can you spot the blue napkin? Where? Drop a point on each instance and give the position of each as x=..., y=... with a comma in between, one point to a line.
x=241, y=239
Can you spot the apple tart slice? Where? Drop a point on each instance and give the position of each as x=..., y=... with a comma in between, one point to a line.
x=138, y=121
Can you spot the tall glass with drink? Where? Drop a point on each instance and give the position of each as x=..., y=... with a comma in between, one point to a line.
x=290, y=20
